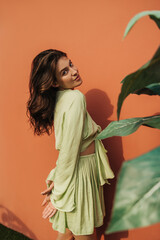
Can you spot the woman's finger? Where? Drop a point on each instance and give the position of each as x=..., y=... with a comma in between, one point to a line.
x=46, y=213
x=46, y=210
x=49, y=210
x=51, y=185
x=48, y=190
x=44, y=202
x=51, y=205
x=49, y=213
x=52, y=213
x=49, y=182
x=47, y=199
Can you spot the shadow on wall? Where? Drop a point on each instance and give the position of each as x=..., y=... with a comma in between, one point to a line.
x=10, y=220
x=100, y=109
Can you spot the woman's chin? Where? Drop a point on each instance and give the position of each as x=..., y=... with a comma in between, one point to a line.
x=79, y=83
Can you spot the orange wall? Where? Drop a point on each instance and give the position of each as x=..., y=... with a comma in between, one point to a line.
x=91, y=32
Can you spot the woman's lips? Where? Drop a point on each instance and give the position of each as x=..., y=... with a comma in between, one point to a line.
x=77, y=78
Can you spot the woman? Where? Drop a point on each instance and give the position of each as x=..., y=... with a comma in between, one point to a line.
x=74, y=194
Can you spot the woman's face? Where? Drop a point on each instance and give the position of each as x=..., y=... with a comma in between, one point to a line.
x=67, y=74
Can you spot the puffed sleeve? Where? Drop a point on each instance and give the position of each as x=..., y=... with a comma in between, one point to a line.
x=64, y=177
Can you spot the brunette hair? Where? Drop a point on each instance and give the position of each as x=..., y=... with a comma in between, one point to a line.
x=41, y=103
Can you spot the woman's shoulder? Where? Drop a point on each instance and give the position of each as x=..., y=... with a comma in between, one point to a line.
x=70, y=97
x=74, y=92
x=75, y=97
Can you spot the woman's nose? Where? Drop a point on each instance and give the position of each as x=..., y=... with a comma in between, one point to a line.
x=73, y=71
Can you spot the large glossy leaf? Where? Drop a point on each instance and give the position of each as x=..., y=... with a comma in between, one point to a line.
x=128, y=126
x=154, y=15
x=137, y=197
x=146, y=75
x=152, y=89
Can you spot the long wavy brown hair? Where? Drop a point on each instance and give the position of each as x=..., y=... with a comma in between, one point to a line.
x=41, y=103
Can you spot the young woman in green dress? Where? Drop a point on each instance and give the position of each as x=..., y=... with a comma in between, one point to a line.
x=74, y=201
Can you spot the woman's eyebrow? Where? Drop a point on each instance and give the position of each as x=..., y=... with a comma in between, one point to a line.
x=65, y=67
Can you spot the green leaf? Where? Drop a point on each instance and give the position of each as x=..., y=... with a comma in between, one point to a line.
x=10, y=234
x=146, y=75
x=152, y=89
x=128, y=126
x=154, y=15
x=136, y=202
x=156, y=19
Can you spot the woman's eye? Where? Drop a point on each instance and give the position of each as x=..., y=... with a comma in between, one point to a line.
x=64, y=72
x=71, y=64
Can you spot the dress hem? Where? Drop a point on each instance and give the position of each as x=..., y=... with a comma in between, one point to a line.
x=80, y=234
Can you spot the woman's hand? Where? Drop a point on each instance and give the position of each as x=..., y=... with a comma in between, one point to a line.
x=48, y=190
x=49, y=210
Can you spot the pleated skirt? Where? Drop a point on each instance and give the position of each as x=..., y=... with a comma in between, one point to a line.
x=90, y=208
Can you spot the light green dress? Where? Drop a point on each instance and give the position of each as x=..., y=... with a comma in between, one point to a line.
x=78, y=180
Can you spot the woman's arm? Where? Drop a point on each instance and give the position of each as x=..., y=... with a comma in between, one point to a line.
x=62, y=196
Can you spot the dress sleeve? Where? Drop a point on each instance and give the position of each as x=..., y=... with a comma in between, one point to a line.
x=51, y=176
x=63, y=193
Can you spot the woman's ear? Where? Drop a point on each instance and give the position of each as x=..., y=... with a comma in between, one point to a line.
x=55, y=84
